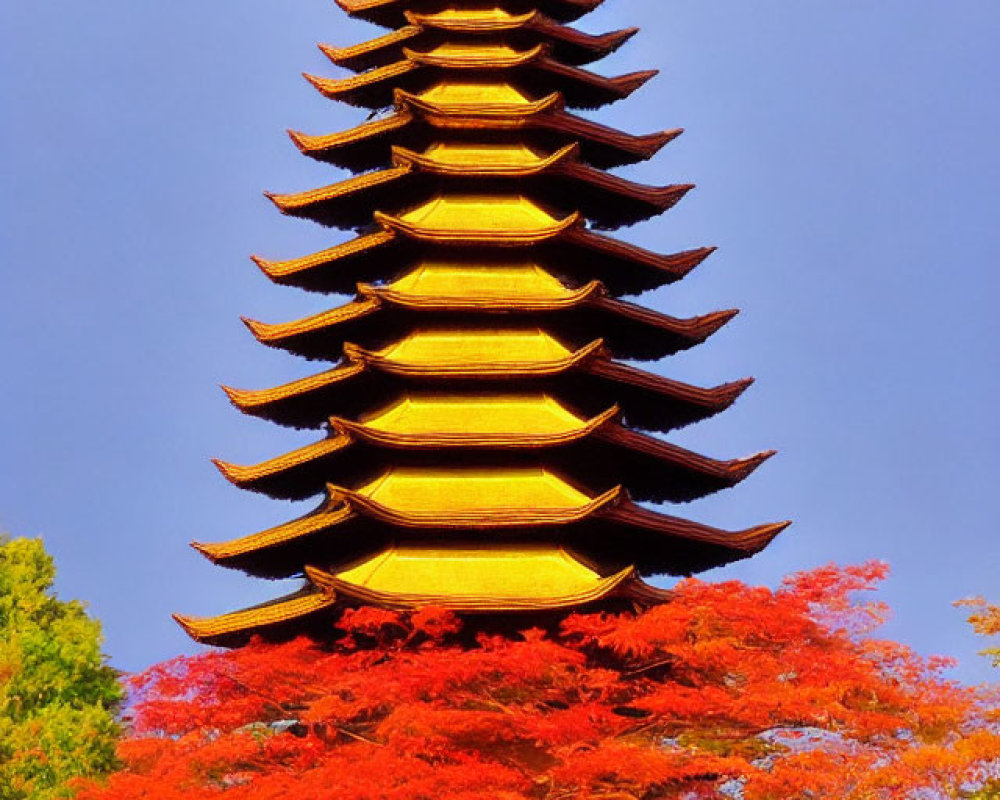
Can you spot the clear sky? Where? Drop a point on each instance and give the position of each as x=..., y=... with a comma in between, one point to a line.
x=847, y=161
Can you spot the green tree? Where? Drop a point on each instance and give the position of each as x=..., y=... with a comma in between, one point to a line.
x=57, y=695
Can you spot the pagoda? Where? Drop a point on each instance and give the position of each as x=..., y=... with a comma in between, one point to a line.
x=482, y=445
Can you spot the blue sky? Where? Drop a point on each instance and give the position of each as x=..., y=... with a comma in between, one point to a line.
x=847, y=167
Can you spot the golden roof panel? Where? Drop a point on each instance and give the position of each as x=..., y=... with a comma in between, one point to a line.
x=520, y=281
x=496, y=214
x=474, y=53
x=466, y=15
x=465, y=219
x=480, y=578
x=476, y=347
x=465, y=498
x=485, y=157
x=488, y=417
x=474, y=94
x=459, y=490
x=474, y=353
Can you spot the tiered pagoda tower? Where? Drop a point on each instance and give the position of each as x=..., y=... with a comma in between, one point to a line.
x=485, y=446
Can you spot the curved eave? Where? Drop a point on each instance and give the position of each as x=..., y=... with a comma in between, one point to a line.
x=622, y=531
x=484, y=303
x=568, y=45
x=419, y=162
x=392, y=13
x=374, y=53
x=671, y=545
x=652, y=402
x=621, y=584
x=414, y=125
x=648, y=401
x=579, y=254
x=486, y=24
x=749, y=540
x=608, y=201
x=418, y=71
x=572, y=46
x=630, y=331
x=327, y=517
x=348, y=390
x=268, y=620
x=464, y=440
x=498, y=115
x=484, y=518
x=301, y=473
x=651, y=469
x=383, y=361
x=484, y=237
x=334, y=532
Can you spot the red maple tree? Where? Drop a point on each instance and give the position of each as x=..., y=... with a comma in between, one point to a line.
x=728, y=691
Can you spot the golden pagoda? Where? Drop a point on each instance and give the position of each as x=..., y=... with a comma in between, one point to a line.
x=484, y=447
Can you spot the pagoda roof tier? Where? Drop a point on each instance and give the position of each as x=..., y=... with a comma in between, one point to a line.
x=500, y=577
x=592, y=383
x=275, y=619
x=629, y=331
x=619, y=532
x=558, y=179
x=491, y=431
x=497, y=111
x=420, y=71
x=582, y=254
x=474, y=498
x=473, y=285
x=393, y=13
x=424, y=31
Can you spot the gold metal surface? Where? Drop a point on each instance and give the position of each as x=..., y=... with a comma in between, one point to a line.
x=473, y=93
x=486, y=414
x=472, y=352
x=484, y=491
x=461, y=279
x=479, y=577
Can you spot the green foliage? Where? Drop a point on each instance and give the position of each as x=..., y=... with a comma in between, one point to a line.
x=57, y=695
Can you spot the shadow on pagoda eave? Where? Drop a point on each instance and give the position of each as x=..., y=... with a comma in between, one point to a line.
x=382, y=317
x=599, y=451
x=556, y=179
x=417, y=124
x=591, y=383
x=545, y=508
x=622, y=268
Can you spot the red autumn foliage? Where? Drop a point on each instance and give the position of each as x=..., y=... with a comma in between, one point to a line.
x=728, y=691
